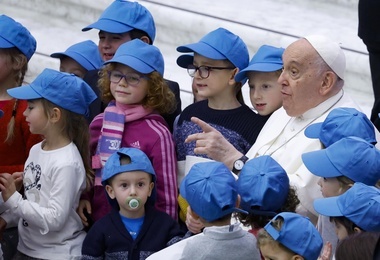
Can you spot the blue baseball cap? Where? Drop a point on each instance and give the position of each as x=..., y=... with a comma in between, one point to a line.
x=342, y=122
x=63, y=89
x=297, y=234
x=220, y=44
x=263, y=186
x=139, y=162
x=185, y=60
x=360, y=204
x=14, y=34
x=266, y=59
x=210, y=190
x=86, y=53
x=352, y=157
x=140, y=56
x=124, y=16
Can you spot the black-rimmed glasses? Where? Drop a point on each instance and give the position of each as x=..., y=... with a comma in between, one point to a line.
x=204, y=71
x=131, y=78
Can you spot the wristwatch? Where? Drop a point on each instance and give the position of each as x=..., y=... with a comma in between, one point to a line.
x=239, y=163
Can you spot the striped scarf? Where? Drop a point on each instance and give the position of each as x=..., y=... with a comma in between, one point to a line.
x=114, y=117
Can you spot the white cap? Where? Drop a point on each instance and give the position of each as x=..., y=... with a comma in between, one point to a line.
x=330, y=52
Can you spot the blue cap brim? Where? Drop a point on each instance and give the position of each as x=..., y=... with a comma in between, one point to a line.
x=134, y=63
x=202, y=49
x=110, y=26
x=260, y=67
x=5, y=44
x=328, y=207
x=185, y=60
x=313, y=131
x=319, y=164
x=24, y=92
x=75, y=56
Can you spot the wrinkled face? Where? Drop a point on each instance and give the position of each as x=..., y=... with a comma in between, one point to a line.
x=36, y=118
x=217, y=85
x=110, y=42
x=69, y=65
x=264, y=91
x=128, y=94
x=131, y=185
x=300, y=80
x=330, y=187
x=271, y=251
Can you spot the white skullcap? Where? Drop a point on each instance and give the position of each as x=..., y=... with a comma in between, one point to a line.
x=330, y=52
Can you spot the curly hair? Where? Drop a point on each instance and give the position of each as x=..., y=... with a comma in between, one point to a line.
x=256, y=221
x=159, y=96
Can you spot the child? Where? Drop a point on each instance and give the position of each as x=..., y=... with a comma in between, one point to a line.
x=356, y=210
x=263, y=186
x=17, y=46
x=289, y=236
x=342, y=122
x=56, y=170
x=210, y=189
x=262, y=72
x=133, y=85
x=120, y=22
x=134, y=229
x=79, y=58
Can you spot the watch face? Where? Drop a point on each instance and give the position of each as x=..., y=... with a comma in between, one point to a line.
x=238, y=165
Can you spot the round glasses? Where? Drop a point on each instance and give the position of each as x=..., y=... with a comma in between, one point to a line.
x=131, y=78
x=204, y=71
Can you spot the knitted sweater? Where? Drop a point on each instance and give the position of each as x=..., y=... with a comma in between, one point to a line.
x=109, y=239
x=240, y=126
x=13, y=155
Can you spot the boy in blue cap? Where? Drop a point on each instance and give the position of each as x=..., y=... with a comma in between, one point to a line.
x=134, y=229
x=356, y=210
x=120, y=22
x=262, y=73
x=210, y=189
x=79, y=58
x=290, y=236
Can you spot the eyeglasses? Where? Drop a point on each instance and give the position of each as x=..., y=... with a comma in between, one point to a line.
x=204, y=71
x=131, y=78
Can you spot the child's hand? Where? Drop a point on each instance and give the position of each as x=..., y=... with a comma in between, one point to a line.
x=84, y=205
x=7, y=186
x=18, y=177
x=326, y=252
x=194, y=225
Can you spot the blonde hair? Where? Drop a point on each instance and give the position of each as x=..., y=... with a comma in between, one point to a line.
x=75, y=127
x=159, y=96
x=19, y=64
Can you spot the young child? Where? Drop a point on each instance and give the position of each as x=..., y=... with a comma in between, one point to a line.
x=79, y=58
x=264, y=190
x=56, y=171
x=210, y=189
x=289, y=236
x=133, y=86
x=119, y=23
x=17, y=46
x=134, y=229
x=262, y=72
x=356, y=210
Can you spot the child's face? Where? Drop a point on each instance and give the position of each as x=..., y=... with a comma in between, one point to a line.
x=265, y=92
x=36, y=118
x=110, y=42
x=71, y=66
x=340, y=231
x=197, y=96
x=219, y=84
x=125, y=93
x=330, y=187
x=271, y=251
x=127, y=185
x=5, y=66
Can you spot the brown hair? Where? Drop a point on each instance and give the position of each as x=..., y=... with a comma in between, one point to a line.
x=259, y=221
x=358, y=246
x=75, y=127
x=159, y=96
x=346, y=223
x=19, y=63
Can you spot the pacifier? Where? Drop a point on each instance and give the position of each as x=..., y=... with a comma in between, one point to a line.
x=133, y=203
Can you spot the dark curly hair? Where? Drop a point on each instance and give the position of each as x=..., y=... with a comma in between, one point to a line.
x=256, y=221
x=159, y=96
